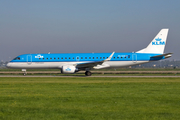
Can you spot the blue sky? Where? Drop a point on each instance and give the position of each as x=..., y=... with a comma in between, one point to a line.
x=78, y=26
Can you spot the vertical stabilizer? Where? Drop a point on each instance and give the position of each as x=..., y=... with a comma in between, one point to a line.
x=157, y=45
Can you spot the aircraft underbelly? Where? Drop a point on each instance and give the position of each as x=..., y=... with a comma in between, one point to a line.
x=58, y=65
x=124, y=63
x=40, y=65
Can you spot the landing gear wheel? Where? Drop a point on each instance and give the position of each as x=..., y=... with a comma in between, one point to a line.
x=88, y=73
x=24, y=72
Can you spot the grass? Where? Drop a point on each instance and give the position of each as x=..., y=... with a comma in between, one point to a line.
x=84, y=98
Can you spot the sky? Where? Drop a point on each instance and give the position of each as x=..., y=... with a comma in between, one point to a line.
x=86, y=26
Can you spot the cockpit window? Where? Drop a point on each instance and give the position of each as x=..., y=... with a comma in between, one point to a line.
x=17, y=58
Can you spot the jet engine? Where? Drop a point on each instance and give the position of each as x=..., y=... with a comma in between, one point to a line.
x=68, y=69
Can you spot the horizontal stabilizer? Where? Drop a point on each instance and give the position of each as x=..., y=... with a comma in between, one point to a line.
x=166, y=55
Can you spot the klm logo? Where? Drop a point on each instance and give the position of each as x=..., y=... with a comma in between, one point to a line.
x=68, y=69
x=158, y=42
x=38, y=56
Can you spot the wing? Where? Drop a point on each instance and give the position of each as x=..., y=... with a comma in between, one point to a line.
x=95, y=64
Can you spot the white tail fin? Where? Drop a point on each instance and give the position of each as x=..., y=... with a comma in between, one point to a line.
x=157, y=45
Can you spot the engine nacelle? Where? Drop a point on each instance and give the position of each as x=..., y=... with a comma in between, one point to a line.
x=67, y=69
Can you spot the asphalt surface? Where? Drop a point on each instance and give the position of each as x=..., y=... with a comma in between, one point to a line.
x=91, y=76
x=99, y=72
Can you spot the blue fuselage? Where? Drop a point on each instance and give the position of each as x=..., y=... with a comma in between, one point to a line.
x=83, y=57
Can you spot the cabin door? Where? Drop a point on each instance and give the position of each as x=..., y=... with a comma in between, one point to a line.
x=29, y=59
x=134, y=58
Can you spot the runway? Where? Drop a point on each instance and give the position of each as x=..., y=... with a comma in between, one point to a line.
x=91, y=76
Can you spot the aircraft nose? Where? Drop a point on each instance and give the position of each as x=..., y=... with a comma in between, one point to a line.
x=8, y=64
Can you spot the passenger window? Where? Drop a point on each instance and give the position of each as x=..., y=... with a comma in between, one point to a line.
x=93, y=57
x=50, y=58
x=96, y=57
x=85, y=57
x=69, y=58
x=100, y=57
x=103, y=57
x=54, y=58
x=89, y=57
x=47, y=58
x=81, y=57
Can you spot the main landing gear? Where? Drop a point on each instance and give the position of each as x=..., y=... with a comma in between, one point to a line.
x=88, y=73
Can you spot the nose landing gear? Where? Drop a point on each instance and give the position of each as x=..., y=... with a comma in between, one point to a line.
x=24, y=70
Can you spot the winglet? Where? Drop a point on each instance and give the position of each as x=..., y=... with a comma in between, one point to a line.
x=109, y=58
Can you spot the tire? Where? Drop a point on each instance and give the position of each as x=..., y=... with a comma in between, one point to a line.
x=88, y=73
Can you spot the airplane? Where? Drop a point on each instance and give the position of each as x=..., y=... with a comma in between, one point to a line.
x=70, y=63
